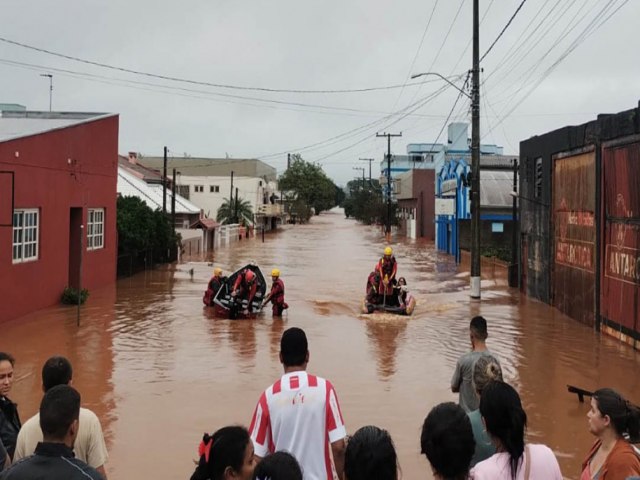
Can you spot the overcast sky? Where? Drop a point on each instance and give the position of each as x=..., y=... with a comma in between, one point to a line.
x=560, y=62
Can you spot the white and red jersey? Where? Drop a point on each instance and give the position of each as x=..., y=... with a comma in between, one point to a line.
x=299, y=414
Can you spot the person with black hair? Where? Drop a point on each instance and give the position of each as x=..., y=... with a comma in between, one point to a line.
x=462, y=381
x=53, y=458
x=370, y=454
x=225, y=455
x=9, y=419
x=300, y=414
x=447, y=441
x=612, y=419
x=278, y=466
x=89, y=445
x=506, y=421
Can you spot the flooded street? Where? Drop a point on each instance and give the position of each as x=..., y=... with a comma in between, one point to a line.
x=159, y=370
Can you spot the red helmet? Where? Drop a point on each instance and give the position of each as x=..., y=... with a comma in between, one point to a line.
x=249, y=276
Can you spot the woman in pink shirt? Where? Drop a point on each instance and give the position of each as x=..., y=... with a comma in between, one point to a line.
x=506, y=422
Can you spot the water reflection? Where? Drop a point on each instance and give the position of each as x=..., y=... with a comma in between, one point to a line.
x=385, y=332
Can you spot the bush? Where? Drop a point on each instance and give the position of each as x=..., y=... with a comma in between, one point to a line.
x=70, y=296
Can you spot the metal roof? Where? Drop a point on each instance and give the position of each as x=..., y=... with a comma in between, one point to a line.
x=19, y=124
x=131, y=186
x=192, y=166
x=495, y=188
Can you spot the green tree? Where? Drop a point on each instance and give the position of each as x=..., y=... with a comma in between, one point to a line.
x=141, y=229
x=367, y=204
x=310, y=184
x=229, y=212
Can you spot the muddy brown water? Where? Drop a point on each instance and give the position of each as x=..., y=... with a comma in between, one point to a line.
x=159, y=369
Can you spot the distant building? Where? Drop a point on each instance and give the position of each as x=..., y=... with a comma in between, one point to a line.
x=453, y=206
x=207, y=183
x=58, y=176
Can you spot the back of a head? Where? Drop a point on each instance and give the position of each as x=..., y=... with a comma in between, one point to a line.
x=371, y=454
x=56, y=371
x=625, y=417
x=59, y=407
x=505, y=419
x=278, y=466
x=478, y=327
x=293, y=347
x=486, y=370
x=447, y=441
x=225, y=448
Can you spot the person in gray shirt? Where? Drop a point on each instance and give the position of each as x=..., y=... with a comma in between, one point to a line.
x=462, y=380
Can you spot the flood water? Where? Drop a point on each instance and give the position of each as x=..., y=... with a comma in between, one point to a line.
x=159, y=369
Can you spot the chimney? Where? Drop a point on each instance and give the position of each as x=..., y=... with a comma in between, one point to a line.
x=133, y=158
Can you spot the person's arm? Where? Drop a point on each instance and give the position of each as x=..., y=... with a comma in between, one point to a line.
x=102, y=471
x=456, y=380
x=338, y=449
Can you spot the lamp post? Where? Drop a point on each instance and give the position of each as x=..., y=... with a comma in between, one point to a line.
x=475, y=154
x=50, y=77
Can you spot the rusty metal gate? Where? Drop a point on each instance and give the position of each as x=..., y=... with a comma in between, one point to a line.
x=620, y=273
x=574, y=234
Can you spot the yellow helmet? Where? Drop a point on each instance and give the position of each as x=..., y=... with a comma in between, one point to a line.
x=388, y=251
x=217, y=271
x=275, y=272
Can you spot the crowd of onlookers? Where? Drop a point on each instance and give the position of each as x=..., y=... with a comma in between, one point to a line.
x=297, y=431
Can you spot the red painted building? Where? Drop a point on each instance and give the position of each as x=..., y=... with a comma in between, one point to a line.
x=58, y=177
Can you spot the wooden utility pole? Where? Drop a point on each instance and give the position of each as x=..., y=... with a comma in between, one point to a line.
x=475, y=157
x=164, y=182
x=368, y=160
x=388, y=135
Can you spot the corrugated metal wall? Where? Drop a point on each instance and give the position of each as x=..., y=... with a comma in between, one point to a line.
x=620, y=276
x=574, y=234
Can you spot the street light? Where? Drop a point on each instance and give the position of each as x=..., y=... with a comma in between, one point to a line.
x=50, y=77
x=443, y=78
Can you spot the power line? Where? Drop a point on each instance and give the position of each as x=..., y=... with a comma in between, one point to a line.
x=504, y=29
x=197, y=82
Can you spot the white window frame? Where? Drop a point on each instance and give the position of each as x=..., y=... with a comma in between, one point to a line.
x=26, y=235
x=198, y=188
x=95, y=228
x=214, y=188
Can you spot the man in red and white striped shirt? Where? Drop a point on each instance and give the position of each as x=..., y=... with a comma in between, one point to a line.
x=300, y=414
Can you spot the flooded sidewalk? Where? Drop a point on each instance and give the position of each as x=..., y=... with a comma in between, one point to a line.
x=159, y=369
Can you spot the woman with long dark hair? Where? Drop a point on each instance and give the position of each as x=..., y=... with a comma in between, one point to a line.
x=226, y=455
x=611, y=419
x=506, y=421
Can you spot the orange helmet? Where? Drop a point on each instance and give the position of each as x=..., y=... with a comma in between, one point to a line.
x=249, y=276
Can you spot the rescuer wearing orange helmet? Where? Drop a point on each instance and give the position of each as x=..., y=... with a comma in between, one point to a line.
x=387, y=268
x=215, y=284
x=245, y=288
x=276, y=295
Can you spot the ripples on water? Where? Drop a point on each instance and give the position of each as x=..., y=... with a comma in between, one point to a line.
x=155, y=364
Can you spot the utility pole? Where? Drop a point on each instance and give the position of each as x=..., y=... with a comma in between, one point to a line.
x=368, y=160
x=363, y=178
x=475, y=157
x=389, y=135
x=231, y=195
x=173, y=201
x=164, y=182
x=513, y=270
x=288, y=160
x=50, y=77
x=236, y=208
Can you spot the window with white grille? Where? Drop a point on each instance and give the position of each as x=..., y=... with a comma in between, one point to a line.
x=25, y=235
x=95, y=228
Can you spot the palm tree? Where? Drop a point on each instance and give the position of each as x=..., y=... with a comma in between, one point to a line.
x=230, y=212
